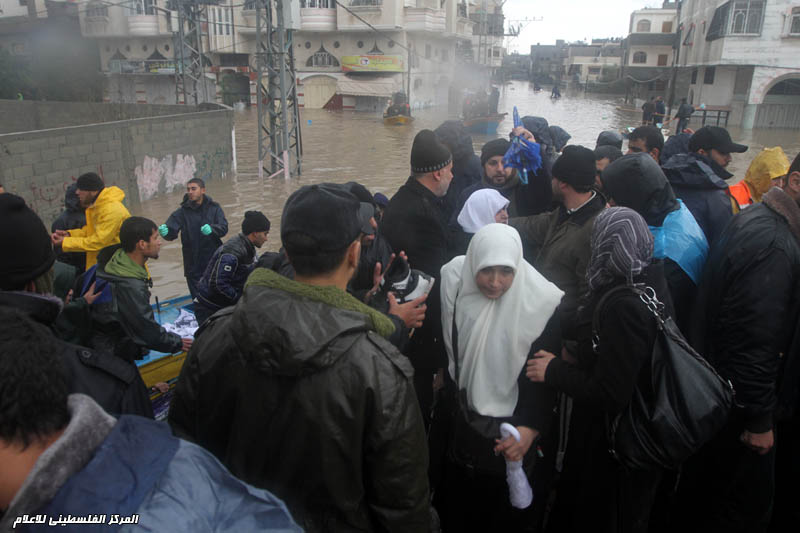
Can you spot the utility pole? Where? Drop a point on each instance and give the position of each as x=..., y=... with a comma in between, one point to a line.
x=675, y=58
x=190, y=72
x=279, y=138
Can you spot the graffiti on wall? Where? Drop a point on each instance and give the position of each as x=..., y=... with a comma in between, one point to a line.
x=48, y=200
x=175, y=171
x=172, y=172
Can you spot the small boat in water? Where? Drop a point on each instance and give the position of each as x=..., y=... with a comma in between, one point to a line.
x=486, y=125
x=159, y=367
x=397, y=120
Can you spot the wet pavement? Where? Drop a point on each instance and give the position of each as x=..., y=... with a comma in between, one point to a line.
x=342, y=146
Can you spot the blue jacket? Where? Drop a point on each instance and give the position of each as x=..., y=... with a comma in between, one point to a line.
x=223, y=280
x=135, y=467
x=197, y=248
x=700, y=183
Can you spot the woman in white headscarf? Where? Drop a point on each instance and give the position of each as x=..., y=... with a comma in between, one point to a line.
x=483, y=207
x=503, y=311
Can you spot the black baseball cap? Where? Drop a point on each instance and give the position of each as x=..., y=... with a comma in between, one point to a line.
x=326, y=217
x=367, y=204
x=709, y=137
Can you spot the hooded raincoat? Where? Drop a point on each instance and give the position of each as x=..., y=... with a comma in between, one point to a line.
x=103, y=221
x=700, y=183
x=771, y=163
x=636, y=181
x=72, y=217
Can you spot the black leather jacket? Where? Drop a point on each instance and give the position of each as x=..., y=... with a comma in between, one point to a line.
x=302, y=397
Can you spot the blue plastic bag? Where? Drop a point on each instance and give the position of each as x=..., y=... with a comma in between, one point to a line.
x=523, y=155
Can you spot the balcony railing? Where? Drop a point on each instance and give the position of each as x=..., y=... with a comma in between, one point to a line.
x=144, y=66
x=365, y=3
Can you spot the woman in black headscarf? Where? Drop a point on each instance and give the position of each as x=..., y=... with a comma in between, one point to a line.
x=595, y=492
x=636, y=181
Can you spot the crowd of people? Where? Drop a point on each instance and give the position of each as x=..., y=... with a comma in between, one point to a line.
x=457, y=357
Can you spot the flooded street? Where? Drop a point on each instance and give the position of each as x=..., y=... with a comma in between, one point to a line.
x=344, y=145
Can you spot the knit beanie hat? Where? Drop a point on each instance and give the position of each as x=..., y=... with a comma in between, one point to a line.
x=575, y=167
x=90, y=182
x=254, y=221
x=28, y=251
x=428, y=154
x=493, y=148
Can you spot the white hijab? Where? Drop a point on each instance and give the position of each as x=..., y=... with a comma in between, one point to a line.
x=480, y=209
x=494, y=336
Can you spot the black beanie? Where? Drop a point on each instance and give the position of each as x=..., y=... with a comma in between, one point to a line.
x=428, y=154
x=90, y=182
x=254, y=221
x=27, y=249
x=493, y=148
x=575, y=167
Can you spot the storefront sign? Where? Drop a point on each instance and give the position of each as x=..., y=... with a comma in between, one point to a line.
x=372, y=64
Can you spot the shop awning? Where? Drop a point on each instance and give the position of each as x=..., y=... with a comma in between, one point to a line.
x=381, y=87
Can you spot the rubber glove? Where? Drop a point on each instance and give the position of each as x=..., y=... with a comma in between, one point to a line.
x=205, y=229
x=163, y=230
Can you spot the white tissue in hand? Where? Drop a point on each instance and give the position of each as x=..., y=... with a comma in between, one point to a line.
x=519, y=490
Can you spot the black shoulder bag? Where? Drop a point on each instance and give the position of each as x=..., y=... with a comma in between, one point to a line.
x=689, y=405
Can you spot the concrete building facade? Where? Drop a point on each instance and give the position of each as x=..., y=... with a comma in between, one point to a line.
x=649, y=50
x=597, y=62
x=743, y=56
x=340, y=61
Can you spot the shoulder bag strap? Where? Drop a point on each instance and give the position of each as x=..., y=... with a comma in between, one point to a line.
x=454, y=341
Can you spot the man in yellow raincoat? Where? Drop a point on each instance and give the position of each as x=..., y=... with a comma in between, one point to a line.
x=104, y=217
x=766, y=170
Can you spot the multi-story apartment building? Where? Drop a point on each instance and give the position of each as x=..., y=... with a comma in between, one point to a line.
x=352, y=53
x=742, y=55
x=47, y=55
x=649, y=49
x=547, y=62
x=599, y=61
x=341, y=61
x=488, y=34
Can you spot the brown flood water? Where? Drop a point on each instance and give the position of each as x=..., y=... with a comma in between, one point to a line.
x=343, y=146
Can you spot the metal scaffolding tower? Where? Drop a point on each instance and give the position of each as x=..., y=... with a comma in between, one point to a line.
x=190, y=83
x=279, y=140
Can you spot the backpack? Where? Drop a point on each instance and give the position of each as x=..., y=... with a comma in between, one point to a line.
x=689, y=404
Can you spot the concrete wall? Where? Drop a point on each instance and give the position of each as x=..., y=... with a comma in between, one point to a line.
x=141, y=156
x=32, y=115
x=652, y=55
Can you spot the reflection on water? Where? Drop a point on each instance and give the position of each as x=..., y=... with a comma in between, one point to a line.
x=344, y=145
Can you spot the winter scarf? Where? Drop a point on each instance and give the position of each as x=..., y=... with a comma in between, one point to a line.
x=122, y=265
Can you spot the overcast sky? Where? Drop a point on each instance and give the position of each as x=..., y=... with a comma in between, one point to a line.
x=571, y=20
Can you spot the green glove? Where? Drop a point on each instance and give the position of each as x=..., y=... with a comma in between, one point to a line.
x=163, y=230
x=205, y=229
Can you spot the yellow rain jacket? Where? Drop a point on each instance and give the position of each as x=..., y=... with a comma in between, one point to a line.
x=103, y=220
x=771, y=163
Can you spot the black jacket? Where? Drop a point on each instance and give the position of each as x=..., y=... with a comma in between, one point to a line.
x=700, y=183
x=126, y=325
x=197, y=248
x=466, y=165
x=298, y=394
x=72, y=217
x=414, y=222
x=222, y=282
x=112, y=383
x=748, y=307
